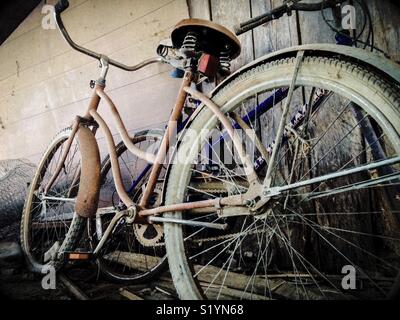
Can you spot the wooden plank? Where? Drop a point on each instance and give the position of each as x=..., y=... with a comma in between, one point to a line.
x=223, y=293
x=386, y=26
x=199, y=9
x=232, y=280
x=131, y=44
x=229, y=13
x=34, y=19
x=129, y=99
x=62, y=84
x=210, y=276
x=52, y=80
x=137, y=261
x=262, y=34
x=129, y=295
x=314, y=29
x=283, y=31
x=72, y=288
x=82, y=29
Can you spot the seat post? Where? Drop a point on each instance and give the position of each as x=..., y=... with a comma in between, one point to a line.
x=168, y=135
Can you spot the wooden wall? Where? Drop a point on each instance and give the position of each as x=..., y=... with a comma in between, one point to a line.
x=309, y=27
x=44, y=83
x=282, y=33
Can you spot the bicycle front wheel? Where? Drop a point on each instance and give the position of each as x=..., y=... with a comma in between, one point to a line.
x=49, y=224
x=307, y=238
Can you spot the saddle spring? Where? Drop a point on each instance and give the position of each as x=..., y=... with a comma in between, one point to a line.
x=189, y=44
x=224, y=63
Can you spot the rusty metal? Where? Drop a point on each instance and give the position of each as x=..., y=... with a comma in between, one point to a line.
x=235, y=200
x=73, y=189
x=180, y=207
x=93, y=105
x=114, y=159
x=110, y=227
x=171, y=130
x=149, y=157
x=94, y=102
x=89, y=186
x=95, y=55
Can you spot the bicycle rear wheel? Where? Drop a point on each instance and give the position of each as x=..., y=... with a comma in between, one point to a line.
x=299, y=245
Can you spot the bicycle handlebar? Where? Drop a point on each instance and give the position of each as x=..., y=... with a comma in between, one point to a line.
x=61, y=6
x=278, y=12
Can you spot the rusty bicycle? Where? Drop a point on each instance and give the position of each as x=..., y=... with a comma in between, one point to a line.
x=287, y=172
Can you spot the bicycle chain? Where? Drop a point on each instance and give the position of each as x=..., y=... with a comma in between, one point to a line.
x=221, y=237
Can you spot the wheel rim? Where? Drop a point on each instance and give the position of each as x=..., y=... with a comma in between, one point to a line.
x=48, y=221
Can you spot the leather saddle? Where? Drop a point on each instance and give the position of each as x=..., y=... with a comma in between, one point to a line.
x=211, y=37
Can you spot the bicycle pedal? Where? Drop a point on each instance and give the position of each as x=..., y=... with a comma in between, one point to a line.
x=81, y=256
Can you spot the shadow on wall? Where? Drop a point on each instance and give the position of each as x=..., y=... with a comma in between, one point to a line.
x=15, y=174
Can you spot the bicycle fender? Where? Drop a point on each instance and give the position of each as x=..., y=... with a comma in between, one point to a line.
x=89, y=187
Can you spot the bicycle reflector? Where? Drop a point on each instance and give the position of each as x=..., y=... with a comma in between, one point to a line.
x=208, y=65
x=79, y=256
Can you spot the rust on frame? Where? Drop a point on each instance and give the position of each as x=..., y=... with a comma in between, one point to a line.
x=89, y=186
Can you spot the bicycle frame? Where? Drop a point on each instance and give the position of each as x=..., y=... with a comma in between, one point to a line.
x=92, y=117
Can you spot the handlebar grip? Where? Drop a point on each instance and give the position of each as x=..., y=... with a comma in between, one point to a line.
x=61, y=6
x=239, y=30
x=247, y=26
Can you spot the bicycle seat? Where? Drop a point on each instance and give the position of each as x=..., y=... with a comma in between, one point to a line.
x=212, y=37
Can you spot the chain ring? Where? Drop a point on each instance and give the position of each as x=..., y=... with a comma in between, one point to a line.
x=140, y=229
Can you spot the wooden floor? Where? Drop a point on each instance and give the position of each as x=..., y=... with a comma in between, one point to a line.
x=82, y=281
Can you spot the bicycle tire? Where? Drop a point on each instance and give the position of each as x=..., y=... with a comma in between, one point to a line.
x=77, y=223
